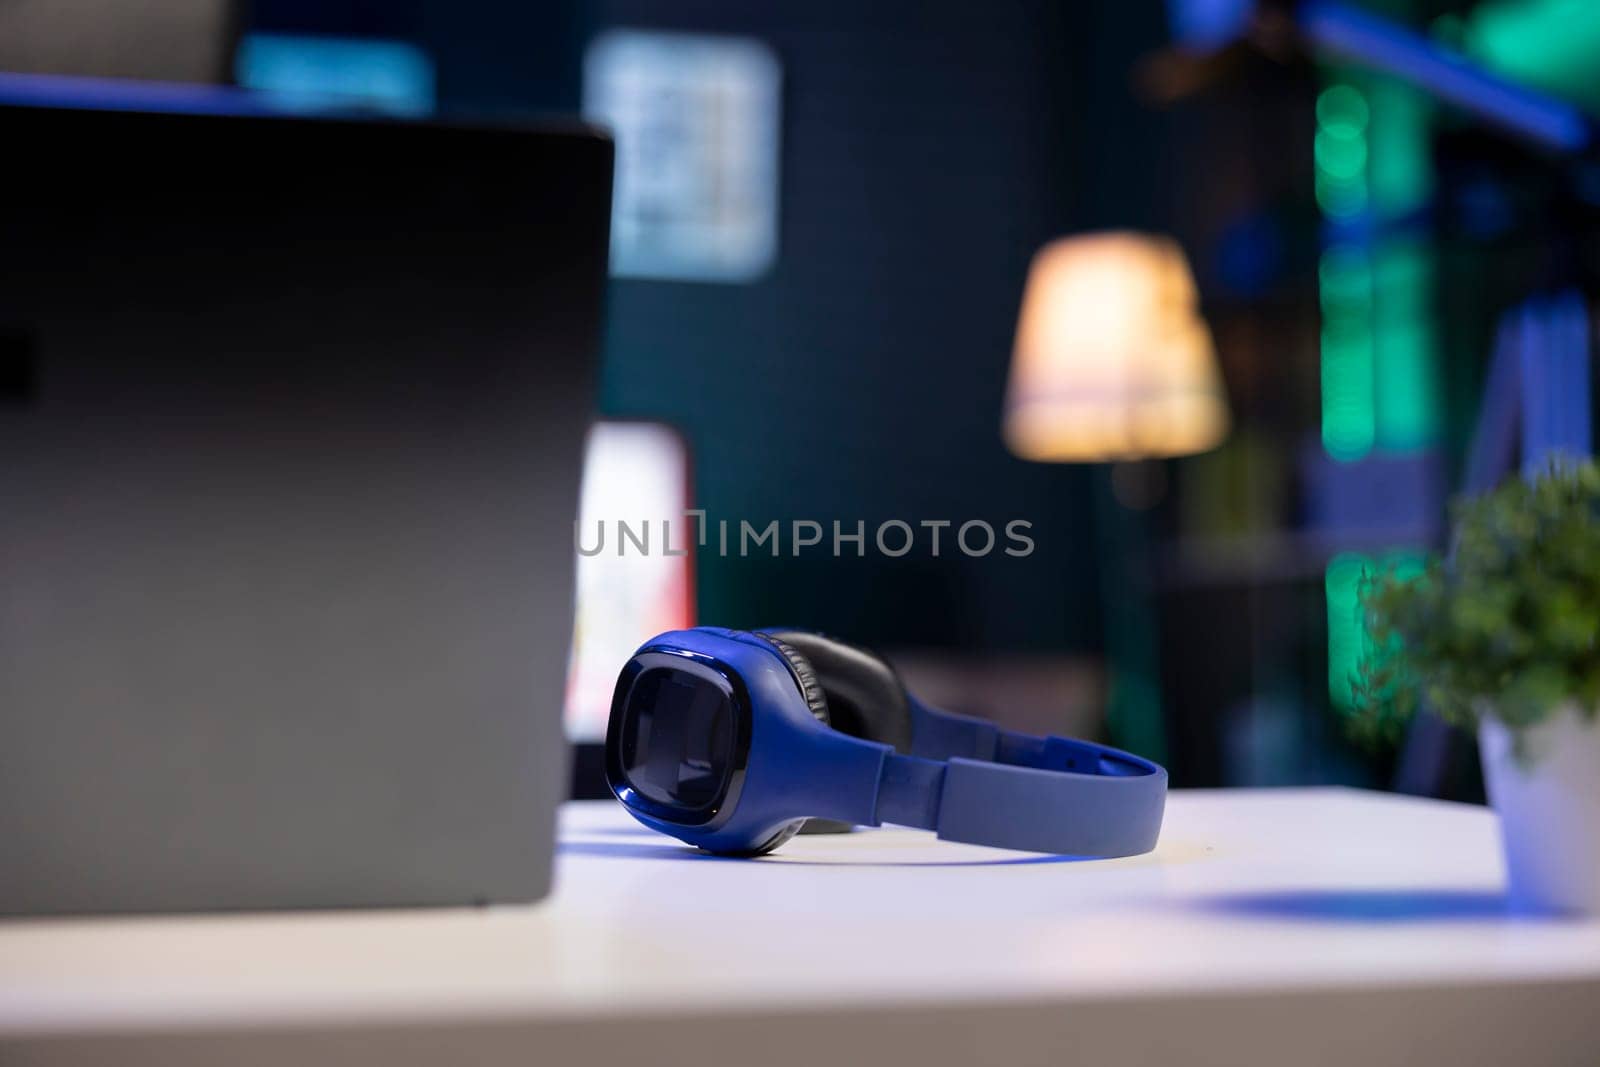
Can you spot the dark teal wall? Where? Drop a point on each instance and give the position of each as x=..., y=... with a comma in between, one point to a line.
x=928, y=148
x=923, y=161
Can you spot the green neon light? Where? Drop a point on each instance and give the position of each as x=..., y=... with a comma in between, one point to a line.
x=1341, y=109
x=1341, y=156
x=1408, y=415
x=1344, y=276
x=1348, y=642
x=1548, y=44
x=1349, y=426
x=1346, y=635
x=1341, y=200
x=1400, y=172
x=1372, y=155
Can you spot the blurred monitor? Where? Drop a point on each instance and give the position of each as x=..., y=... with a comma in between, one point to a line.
x=158, y=40
x=312, y=73
x=635, y=473
x=696, y=121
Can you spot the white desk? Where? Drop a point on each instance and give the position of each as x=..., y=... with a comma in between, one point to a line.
x=1315, y=927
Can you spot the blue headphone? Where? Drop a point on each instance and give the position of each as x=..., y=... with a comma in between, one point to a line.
x=730, y=740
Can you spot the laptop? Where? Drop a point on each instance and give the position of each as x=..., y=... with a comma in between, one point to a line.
x=292, y=415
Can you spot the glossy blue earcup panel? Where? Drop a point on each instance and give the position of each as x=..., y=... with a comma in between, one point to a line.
x=796, y=767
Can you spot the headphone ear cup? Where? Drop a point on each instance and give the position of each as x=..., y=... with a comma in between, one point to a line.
x=863, y=694
x=805, y=676
x=816, y=692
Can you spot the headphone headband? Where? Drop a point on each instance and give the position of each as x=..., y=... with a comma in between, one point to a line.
x=970, y=781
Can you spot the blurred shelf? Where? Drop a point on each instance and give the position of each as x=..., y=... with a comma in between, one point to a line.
x=1274, y=558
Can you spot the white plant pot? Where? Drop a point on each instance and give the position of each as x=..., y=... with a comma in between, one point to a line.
x=1549, y=805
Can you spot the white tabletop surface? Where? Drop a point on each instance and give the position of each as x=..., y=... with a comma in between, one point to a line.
x=1295, y=926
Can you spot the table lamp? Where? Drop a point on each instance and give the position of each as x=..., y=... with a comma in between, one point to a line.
x=1112, y=359
x=1113, y=362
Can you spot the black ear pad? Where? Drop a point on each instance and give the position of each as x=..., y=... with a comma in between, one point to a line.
x=861, y=693
x=805, y=676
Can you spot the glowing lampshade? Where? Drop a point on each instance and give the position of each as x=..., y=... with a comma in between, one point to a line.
x=1112, y=358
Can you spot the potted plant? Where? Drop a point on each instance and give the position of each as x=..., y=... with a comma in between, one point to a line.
x=1503, y=636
